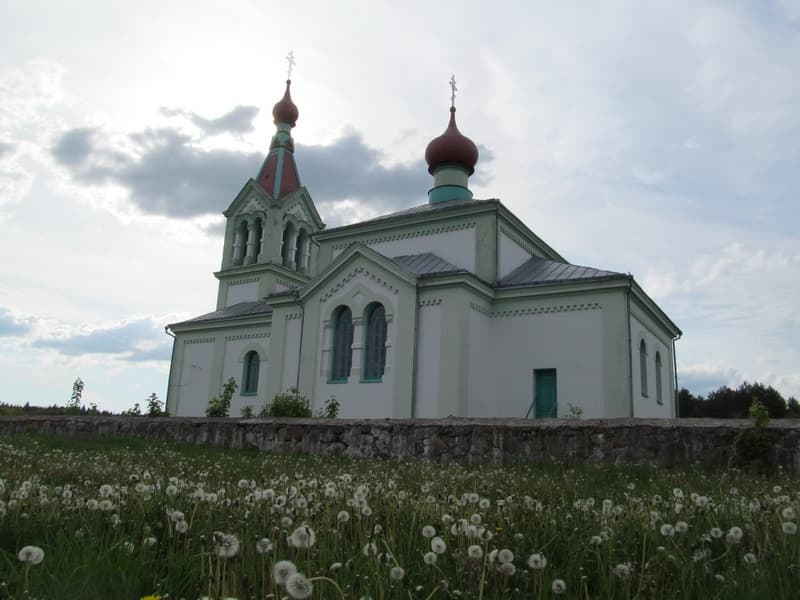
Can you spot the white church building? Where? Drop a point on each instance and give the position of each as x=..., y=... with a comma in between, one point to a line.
x=451, y=308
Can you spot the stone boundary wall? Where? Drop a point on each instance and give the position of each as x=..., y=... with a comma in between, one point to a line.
x=664, y=442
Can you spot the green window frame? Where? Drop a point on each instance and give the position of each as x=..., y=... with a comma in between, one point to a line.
x=342, y=346
x=252, y=365
x=374, y=342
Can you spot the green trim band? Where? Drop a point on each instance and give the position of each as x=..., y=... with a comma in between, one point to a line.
x=443, y=193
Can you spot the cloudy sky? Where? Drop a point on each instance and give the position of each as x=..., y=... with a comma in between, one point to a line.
x=659, y=138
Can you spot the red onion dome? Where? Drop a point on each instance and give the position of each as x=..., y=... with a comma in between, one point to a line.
x=452, y=147
x=285, y=111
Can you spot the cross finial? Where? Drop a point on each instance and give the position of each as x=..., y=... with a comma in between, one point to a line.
x=290, y=60
x=453, y=90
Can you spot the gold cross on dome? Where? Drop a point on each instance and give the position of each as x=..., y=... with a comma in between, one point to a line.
x=290, y=60
x=453, y=90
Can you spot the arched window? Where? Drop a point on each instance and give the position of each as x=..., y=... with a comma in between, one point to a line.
x=241, y=239
x=250, y=375
x=288, y=245
x=374, y=342
x=259, y=229
x=342, y=358
x=300, y=251
x=643, y=366
x=659, y=397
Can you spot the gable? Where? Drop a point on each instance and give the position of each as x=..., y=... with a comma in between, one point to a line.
x=251, y=198
x=300, y=206
x=358, y=262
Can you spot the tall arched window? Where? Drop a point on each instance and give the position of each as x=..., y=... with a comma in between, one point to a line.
x=300, y=251
x=342, y=358
x=241, y=249
x=287, y=251
x=250, y=375
x=659, y=397
x=643, y=366
x=374, y=342
x=259, y=229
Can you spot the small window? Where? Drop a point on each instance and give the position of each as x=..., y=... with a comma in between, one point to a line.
x=643, y=367
x=252, y=363
x=375, y=342
x=659, y=397
x=342, y=359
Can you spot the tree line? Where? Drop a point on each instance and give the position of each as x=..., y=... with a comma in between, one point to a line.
x=728, y=403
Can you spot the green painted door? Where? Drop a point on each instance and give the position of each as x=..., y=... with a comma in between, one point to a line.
x=544, y=386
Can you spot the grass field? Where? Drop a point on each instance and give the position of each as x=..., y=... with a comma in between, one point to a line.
x=119, y=518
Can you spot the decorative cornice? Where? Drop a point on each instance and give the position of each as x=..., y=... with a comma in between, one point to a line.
x=298, y=212
x=352, y=275
x=407, y=235
x=431, y=302
x=205, y=340
x=247, y=336
x=518, y=240
x=521, y=312
x=295, y=315
x=285, y=283
x=243, y=281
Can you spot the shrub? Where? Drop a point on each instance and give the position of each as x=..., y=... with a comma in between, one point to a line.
x=247, y=412
x=221, y=406
x=289, y=404
x=752, y=448
x=155, y=407
x=330, y=410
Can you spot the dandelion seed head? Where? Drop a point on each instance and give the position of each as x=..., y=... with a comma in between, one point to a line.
x=282, y=570
x=397, y=573
x=428, y=531
x=303, y=537
x=31, y=555
x=429, y=558
x=622, y=570
x=438, y=546
x=297, y=586
x=507, y=569
x=558, y=586
x=475, y=552
x=370, y=549
x=750, y=558
x=505, y=556
x=537, y=561
x=789, y=528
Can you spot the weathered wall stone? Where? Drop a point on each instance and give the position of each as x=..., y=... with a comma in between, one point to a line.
x=663, y=442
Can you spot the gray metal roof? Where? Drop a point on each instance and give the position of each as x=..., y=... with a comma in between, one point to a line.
x=426, y=208
x=540, y=271
x=242, y=310
x=425, y=264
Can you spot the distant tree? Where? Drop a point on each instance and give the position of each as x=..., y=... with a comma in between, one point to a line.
x=689, y=405
x=155, y=407
x=793, y=408
x=77, y=394
x=132, y=412
x=727, y=403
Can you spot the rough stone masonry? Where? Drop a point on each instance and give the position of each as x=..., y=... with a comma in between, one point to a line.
x=662, y=442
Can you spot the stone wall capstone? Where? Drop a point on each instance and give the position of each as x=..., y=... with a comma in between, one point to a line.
x=662, y=442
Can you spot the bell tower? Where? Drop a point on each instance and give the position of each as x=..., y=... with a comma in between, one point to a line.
x=268, y=237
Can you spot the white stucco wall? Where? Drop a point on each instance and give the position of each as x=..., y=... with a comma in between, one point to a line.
x=242, y=292
x=511, y=255
x=195, y=379
x=428, y=356
x=233, y=366
x=570, y=341
x=481, y=364
x=291, y=354
x=648, y=406
x=456, y=247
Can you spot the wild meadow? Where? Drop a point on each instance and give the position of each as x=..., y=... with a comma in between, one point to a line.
x=117, y=518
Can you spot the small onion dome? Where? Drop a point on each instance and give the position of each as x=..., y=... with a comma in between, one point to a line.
x=285, y=111
x=452, y=147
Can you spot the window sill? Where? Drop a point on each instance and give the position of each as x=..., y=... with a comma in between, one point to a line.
x=249, y=394
x=338, y=380
x=372, y=380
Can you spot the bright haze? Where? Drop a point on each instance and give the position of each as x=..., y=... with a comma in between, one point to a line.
x=660, y=139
